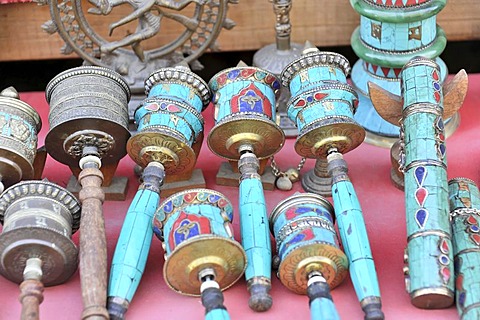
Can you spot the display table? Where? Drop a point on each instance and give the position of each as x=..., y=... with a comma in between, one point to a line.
x=383, y=208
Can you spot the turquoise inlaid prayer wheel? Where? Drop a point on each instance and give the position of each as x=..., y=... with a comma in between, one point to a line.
x=169, y=120
x=303, y=227
x=197, y=234
x=464, y=201
x=308, y=248
x=392, y=32
x=245, y=131
x=245, y=112
x=322, y=104
x=429, y=253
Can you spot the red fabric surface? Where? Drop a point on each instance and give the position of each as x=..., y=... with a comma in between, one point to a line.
x=383, y=207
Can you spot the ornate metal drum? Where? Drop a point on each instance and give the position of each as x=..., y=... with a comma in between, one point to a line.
x=88, y=107
x=19, y=126
x=322, y=104
x=464, y=199
x=303, y=226
x=195, y=227
x=245, y=112
x=169, y=121
x=38, y=219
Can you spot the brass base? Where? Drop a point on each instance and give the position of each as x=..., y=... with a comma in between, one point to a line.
x=265, y=136
x=328, y=260
x=57, y=252
x=337, y=132
x=196, y=180
x=182, y=267
x=226, y=176
x=116, y=191
x=432, y=298
x=451, y=126
x=318, y=180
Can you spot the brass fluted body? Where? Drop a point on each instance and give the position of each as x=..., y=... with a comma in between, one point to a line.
x=36, y=249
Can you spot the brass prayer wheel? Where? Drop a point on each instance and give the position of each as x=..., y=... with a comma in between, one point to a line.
x=19, y=125
x=88, y=132
x=88, y=107
x=36, y=249
x=38, y=218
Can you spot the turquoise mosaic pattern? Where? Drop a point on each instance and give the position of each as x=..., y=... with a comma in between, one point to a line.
x=323, y=309
x=392, y=32
x=398, y=36
x=465, y=212
x=353, y=233
x=133, y=245
x=254, y=229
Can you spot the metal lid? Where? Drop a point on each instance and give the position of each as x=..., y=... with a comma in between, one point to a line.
x=182, y=75
x=318, y=58
x=86, y=70
x=10, y=97
x=41, y=188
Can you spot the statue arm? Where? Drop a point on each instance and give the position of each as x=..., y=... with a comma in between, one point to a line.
x=141, y=10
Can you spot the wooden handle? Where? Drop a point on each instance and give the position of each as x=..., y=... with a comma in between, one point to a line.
x=31, y=295
x=93, y=246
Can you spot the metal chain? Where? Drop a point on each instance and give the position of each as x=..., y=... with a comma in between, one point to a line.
x=276, y=170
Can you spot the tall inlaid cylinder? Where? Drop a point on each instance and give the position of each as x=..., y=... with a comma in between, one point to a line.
x=169, y=137
x=464, y=199
x=245, y=131
x=429, y=276
x=390, y=34
x=197, y=235
x=19, y=126
x=303, y=227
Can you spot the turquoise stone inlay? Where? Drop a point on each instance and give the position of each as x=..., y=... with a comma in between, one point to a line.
x=323, y=309
x=464, y=198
